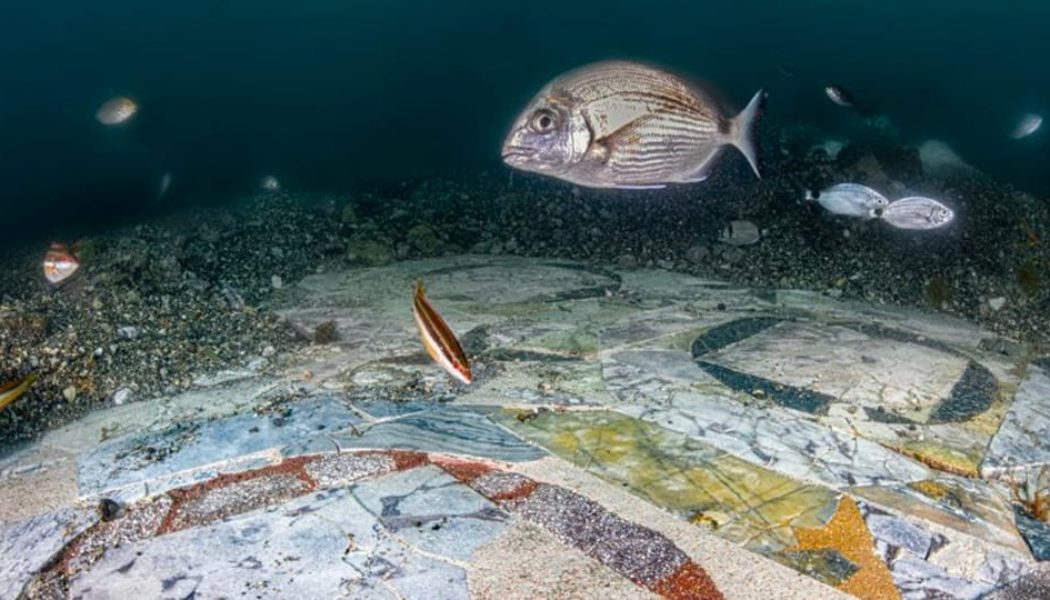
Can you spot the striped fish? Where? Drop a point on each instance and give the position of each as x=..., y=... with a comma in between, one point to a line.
x=59, y=263
x=10, y=391
x=625, y=125
x=438, y=339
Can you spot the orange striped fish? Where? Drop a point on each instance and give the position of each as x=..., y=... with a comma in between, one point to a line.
x=438, y=339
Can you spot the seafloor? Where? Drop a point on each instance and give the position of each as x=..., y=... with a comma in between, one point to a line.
x=235, y=402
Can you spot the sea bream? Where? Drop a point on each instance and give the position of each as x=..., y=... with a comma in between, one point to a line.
x=626, y=125
x=917, y=212
x=851, y=200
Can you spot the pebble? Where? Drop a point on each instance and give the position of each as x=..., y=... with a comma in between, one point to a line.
x=121, y=396
x=269, y=351
x=70, y=393
x=128, y=332
x=997, y=303
x=276, y=282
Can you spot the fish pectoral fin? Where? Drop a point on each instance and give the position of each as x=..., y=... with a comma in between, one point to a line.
x=624, y=136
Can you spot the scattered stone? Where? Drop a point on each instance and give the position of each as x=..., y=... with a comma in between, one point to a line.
x=997, y=304
x=70, y=393
x=121, y=396
x=325, y=333
x=128, y=332
x=109, y=509
x=276, y=282
x=368, y=253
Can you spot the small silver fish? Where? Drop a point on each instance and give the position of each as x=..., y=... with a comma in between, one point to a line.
x=116, y=111
x=165, y=185
x=270, y=183
x=851, y=200
x=839, y=96
x=626, y=125
x=1028, y=125
x=740, y=233
x=917, y=212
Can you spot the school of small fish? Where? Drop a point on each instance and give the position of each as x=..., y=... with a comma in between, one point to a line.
x=860, y=201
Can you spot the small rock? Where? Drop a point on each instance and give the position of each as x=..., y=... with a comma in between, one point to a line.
x=128, y=332
x=276, y=282
x=740, y=233
x=325, y=333
x=121, y=396
x=109, y=509
x=997, y=304
x=269, y=351
x=257, y=364
x=369, y=253
x=70, y=393
x=626, y=261
x=277, y=252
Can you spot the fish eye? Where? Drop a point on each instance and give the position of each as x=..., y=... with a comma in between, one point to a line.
x=542, y=121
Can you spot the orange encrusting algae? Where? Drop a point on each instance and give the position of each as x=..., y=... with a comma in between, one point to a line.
x=438, y=339
x=847, y=533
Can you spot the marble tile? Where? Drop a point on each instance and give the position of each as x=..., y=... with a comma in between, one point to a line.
x=432, y=511
x=27, y=546
x=191, y=445
x=783, y=442
x=320, y=545
x=1023, y=439
x=848, y=365
x=454, y=430
x=738, y=501
x=528, y=562
x=969, y=506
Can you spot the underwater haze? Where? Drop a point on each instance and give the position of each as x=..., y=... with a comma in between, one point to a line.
x=328, y=94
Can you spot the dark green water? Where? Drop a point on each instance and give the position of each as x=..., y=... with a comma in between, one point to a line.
x=328, y=94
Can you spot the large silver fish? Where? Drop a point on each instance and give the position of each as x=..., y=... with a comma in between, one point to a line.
x=917, y=212
x=625, y=125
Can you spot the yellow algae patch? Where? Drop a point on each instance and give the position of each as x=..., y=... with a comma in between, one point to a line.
x=847, y=533
x=751, y=505
x=942, y=458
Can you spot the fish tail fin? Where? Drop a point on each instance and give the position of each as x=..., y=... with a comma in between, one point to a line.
x=420, y=289
x=741, y=129
x=32, y=377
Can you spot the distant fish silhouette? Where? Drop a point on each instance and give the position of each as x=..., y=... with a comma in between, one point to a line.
x=1028, y=125
x=116, y=111
x=843, y=97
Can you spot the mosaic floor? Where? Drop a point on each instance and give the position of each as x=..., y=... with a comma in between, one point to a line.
x=629, y=434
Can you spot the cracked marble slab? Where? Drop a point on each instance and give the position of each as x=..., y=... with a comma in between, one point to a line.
x=192, y=445
x=433, y=512
x=455, y=430
x=321, y=545
x=1023, y=440
x=26, y=546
